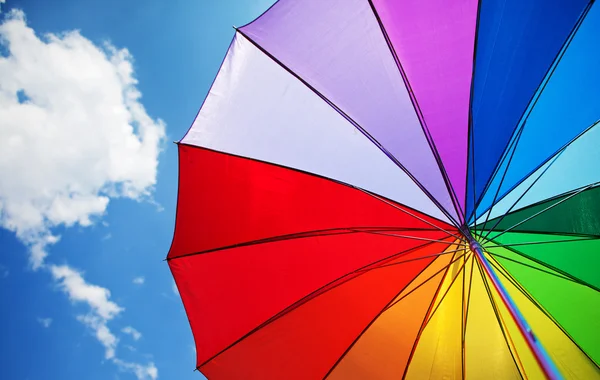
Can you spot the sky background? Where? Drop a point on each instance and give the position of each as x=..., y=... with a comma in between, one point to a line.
x=88, y=219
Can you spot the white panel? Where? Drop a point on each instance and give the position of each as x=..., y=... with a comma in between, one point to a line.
x=257, y=109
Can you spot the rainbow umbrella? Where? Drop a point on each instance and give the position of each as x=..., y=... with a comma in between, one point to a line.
x=397, y=189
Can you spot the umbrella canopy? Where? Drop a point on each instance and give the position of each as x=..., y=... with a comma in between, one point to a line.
x=382, y=189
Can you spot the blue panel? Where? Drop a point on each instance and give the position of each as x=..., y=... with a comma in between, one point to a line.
x=516, y=44
x=569, y=104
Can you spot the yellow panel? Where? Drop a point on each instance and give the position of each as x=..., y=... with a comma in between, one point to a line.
x=467, y=282
x=451, y=277
x=383, y=350
x=487, y=355
x=439, y=351
x=570, y=360
x=467, y=273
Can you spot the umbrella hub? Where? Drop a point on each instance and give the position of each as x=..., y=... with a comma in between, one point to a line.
x=474, y=245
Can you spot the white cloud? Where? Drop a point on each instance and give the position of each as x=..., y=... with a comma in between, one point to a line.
x=131, y=331
x=46, y=322
x=73, y=284
x=73, y=133
x=174, y=288
x=102, y=332
x=102, y=310
x=139, y=280
x=142, y=372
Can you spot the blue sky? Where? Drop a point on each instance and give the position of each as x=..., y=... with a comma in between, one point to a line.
x=48, y=329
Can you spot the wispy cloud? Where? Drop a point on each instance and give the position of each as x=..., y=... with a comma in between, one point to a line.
x=136, y=335
x=46, y=322
x=78, y=290
x=142, y=372
x=102, y=332
x=139, y=280
x=101, y=310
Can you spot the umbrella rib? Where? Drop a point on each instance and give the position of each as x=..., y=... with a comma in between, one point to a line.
x=390, y=202
x=447, y=290
x=538, y=351
x=536, y=268
x=406, y=211
x=470, y=129
x=512, y=155
x=419, y=113
x=479, y=5
x=472, y=140
x=407, y=237
x=463, y=316
x=499, y=319
x=554, y=157
x=564, y=275
x=500, y=268
x=330, y=285
x=301, y=235
x=462, y=321
x=354, y=123
x=547, y=200
x=414, y=347
x=392, y=303
x=426, y=280
x=415, y=259
x=524, y=292
x=373, y=266
x=541, y=87
x=551, y=233
x=542, y=242
x=546, y=209
x=519, y=199
x=471, y=257
x=500, y=164
x=386, y=307
x=514, y=281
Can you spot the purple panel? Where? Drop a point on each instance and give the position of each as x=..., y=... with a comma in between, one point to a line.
x=338, y=48
x=434, y=43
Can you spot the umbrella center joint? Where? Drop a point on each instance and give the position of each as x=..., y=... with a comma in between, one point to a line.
x=474, y=245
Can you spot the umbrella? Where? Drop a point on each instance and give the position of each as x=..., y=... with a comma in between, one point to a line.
x=397, y=189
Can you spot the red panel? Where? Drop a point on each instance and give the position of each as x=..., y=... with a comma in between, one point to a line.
x=306, y=342
x=230, y=292
x=226, y=200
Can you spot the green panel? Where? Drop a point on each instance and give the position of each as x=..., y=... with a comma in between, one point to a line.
x=579, y=214
x=575, y=307
x=579, y=258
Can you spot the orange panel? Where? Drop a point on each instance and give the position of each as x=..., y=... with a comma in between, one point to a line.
x=383, y=350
